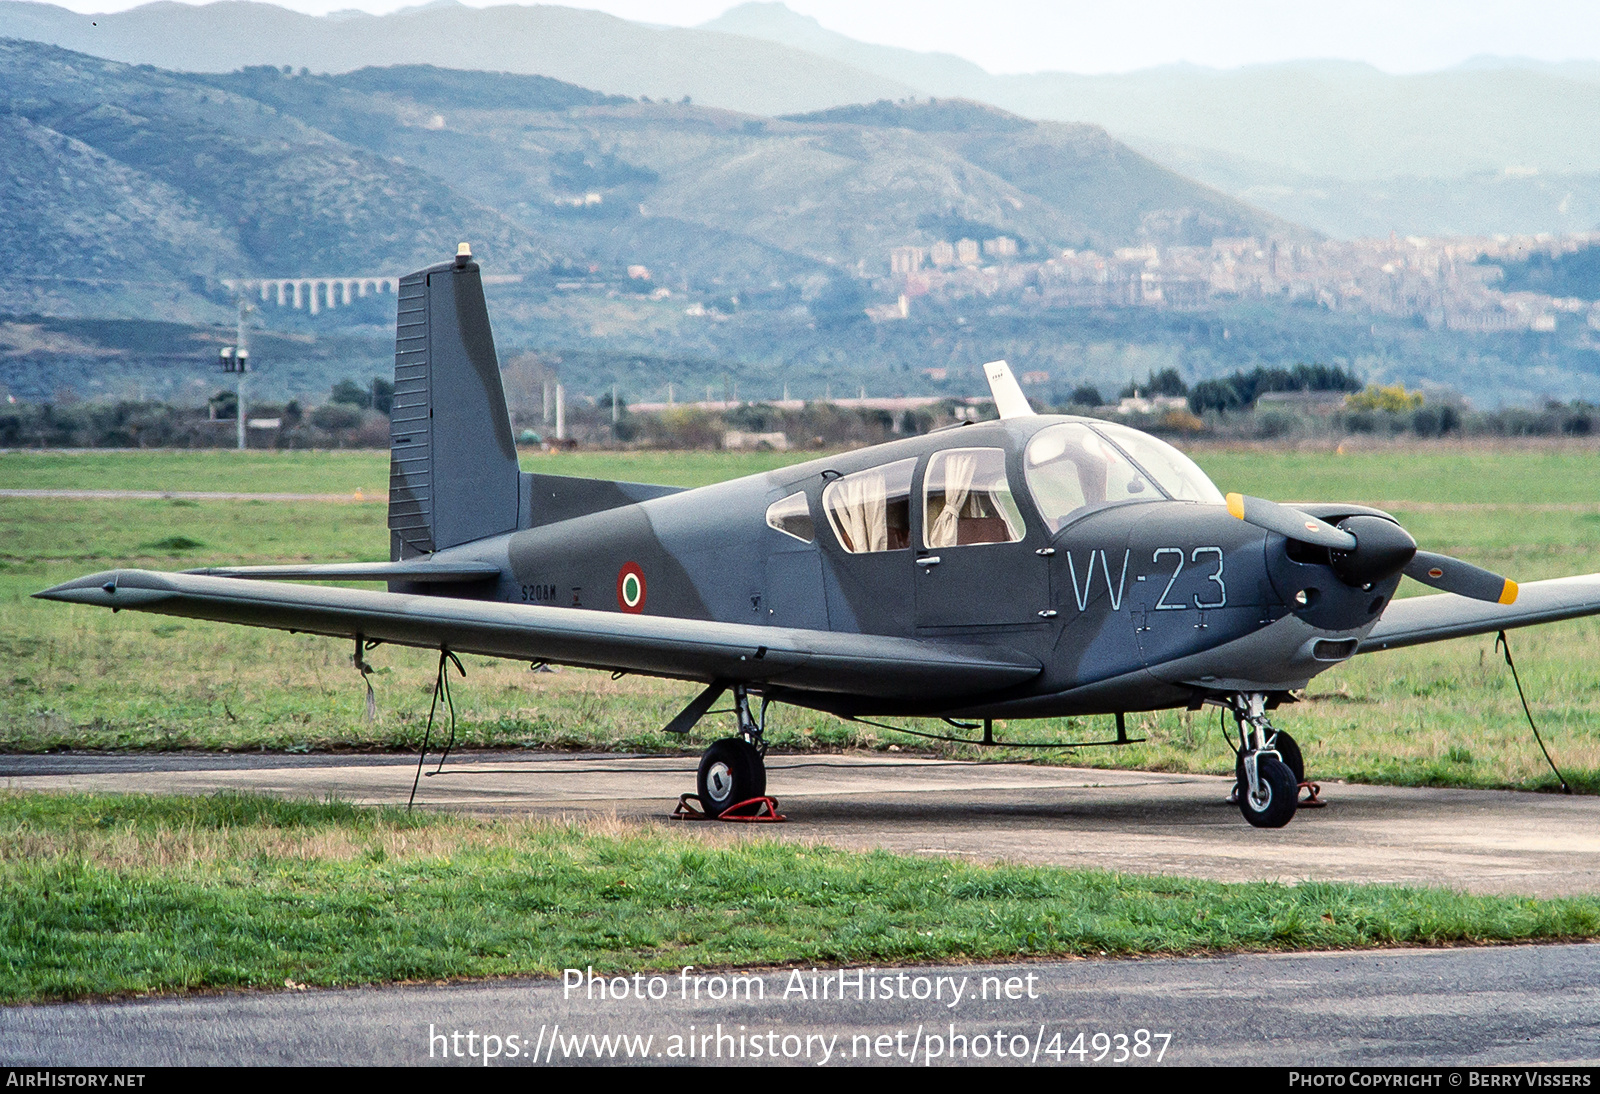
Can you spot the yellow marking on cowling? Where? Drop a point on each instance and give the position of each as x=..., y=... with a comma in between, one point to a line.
x=1508, y=595
x=1236, y=505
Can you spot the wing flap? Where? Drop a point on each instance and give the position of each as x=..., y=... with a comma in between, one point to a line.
x=686, y=649
x=1420, y=619
x=421, y=571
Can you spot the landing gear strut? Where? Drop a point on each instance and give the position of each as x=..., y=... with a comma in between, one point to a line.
x=1269, y=769
x=733, y=770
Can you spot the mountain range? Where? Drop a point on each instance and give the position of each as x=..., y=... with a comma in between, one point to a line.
x=131, y=174
x=638, y=229
x=618, y=231
x=1496, y=145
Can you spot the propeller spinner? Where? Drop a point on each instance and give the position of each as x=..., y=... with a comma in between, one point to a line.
x=1366, y=549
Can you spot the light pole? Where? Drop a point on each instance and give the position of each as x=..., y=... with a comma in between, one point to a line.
x=236, y=359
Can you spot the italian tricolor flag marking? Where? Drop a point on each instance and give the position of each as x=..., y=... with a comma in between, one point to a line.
x=630, y=588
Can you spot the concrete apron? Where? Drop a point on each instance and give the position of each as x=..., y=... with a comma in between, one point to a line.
x=1138, y=822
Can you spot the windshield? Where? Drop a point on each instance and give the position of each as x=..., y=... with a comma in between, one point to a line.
x=1071, y=469
x=1177, y=475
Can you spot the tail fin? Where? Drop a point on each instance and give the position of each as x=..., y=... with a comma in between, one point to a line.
x=453, y=474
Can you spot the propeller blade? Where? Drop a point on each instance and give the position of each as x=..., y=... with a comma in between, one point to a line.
x=1289, y=522
x=1462, y=578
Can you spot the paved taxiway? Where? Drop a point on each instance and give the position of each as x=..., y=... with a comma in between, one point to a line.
x=1505, y=1005
x=1142, y=822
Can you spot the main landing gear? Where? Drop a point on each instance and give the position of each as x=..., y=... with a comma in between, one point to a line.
x=733, y=770
x=1269, y=769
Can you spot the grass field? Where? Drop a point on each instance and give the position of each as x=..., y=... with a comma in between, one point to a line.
x=81, y=678
x=118, y=895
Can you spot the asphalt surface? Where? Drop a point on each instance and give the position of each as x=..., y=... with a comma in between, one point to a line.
x=1141, y=822
x=1524, y=1004
x=1507, y=1005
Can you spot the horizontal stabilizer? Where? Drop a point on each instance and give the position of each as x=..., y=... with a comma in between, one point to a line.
x=420, y=571
x=686, y=649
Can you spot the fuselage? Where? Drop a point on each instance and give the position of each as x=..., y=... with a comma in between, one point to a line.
x=1097, y=550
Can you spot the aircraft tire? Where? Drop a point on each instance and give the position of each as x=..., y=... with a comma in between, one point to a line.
x=731, y=771
x=1289, y=749
x=1282, y=795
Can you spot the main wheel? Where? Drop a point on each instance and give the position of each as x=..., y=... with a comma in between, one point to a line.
x=1289, y=749
x=731, y=771
x=1280, y=794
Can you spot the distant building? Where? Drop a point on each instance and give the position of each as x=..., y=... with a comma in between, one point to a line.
x=735, y=439
x=1154, y=404
x=900, y=309
x=1321, y=404
x=639, y=273
x=967, y=252
x=1036, y=377
x=1000, y=247
x=943, y=254
x=904, y=260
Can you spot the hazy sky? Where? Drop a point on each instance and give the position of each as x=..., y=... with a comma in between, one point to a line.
x=1097, y=36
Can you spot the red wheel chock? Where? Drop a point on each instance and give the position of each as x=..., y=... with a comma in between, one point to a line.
x=1312, y=801
x=761, y=810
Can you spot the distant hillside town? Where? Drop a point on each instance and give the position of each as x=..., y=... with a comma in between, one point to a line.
x=1475, y=284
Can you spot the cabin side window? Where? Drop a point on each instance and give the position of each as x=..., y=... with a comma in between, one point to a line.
x=871, y=510
x=967, y=499
x=792, y=517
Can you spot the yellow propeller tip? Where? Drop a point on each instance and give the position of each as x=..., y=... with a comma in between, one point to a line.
x=1236, y=505
x=1508, y=595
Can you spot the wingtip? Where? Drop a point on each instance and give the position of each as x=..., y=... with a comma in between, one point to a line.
x=89, y=589
x=111, y=589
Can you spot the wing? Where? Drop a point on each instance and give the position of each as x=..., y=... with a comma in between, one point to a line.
x=1419, y=619
x=688, y=649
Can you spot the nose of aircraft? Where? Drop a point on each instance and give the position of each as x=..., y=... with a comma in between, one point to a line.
x=1382, y=549
x=1365, y=549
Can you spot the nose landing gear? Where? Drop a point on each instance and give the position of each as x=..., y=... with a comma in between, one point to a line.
x=733, y=770
x=1270, y=767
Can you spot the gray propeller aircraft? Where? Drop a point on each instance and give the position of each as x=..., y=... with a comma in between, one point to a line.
x=1030, y=567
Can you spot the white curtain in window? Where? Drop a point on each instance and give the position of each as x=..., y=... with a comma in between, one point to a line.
x=861, y=510
x=958, y=471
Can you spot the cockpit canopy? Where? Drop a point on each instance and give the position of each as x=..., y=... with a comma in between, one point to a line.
x=1073, y=468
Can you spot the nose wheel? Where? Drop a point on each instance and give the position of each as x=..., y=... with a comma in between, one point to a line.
x=733, y=770
x=1269, y=769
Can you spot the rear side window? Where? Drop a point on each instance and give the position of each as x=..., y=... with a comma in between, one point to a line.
x=967, y=499
x=792, y=517
x=871, y=510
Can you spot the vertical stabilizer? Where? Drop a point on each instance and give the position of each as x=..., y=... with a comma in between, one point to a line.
x=1008, y=397
x=453, y=474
